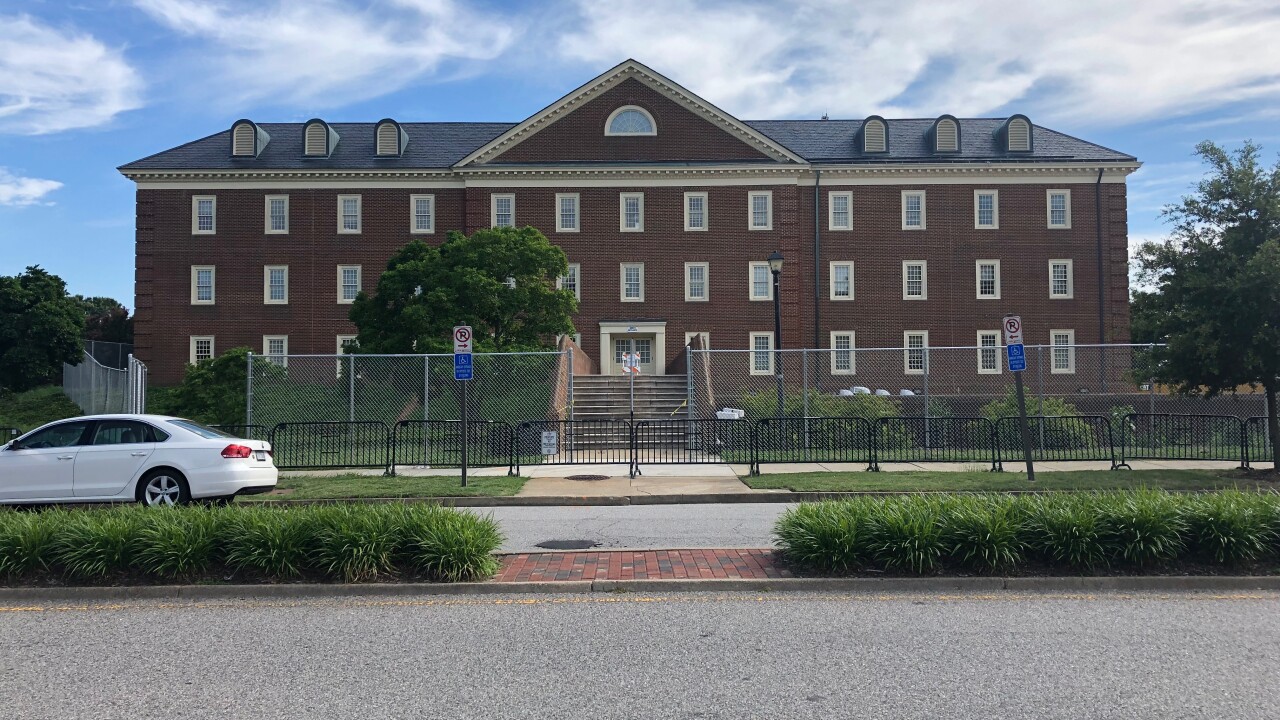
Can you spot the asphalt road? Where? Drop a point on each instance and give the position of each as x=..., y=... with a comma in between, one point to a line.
x=643, y=656
x=640, y=526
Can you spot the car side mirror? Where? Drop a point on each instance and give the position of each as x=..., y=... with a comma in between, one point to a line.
x=13, y=445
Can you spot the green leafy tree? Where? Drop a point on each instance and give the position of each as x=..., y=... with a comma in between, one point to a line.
x=40, y=328
x=1217, y=280
x=106, y=320
x=213, y=391
x=501, y=281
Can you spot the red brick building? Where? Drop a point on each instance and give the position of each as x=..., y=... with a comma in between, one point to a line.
x=894, y=232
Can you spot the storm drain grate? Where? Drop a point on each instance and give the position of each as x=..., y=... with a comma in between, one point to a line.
x=567, y=544
x=587, y=477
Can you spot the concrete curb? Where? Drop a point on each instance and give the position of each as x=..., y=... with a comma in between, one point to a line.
x=870, y=586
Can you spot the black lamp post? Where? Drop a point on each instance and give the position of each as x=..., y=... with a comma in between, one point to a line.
x=775, y=267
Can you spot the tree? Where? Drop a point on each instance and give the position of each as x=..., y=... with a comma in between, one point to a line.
x=500, y=281
x=106, y=320
x=1217, y=280
x=214, y=391
x=40, y=328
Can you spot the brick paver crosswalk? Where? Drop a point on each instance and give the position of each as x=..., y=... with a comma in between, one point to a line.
x=642, y=565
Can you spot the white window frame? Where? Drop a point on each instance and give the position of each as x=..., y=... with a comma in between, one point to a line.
x=977, y=278
x=706, y=282
x=342, y=340
x=768, y=209
x=493, y=209
x=283, y=357
x=1048, y=209
x=751, y=281
x=342, y=230
x=213, y=285
x=622, y=281
x=706, y=206
x=831, y=209
x=831, y=281
x=923, y=213
x=213, y=352
x=577, y=213
x=996, y=347
x=359, y=282
x=706, y=338
x=266, y=285
x=906, y=352
x=1071, y=279
x=652, y=123
x=622, y=211
x=995, y=210
x=266, y=220
x=1071, y=352
x=751, y=356
x=575, y=269
x=924, y=280
x=853, y=355
x=195, y=214
x=413, y=215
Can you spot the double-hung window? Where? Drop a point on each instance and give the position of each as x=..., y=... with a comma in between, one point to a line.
x=201, y=348
x=913, y=210
x=986, y=210
x=348, y=283
x=203, y=219
x=760, y=205
x=569, y=281
x=1064, y=351
x=761, y=353
x=422, y=214
x=842, y=359
x=988, y=279
x=1061, y=282
x=631, y=212
x=696, y=282
x=349, y=220
x=988, y=352
x=1058, y=207
x=840, y=210
x=502, y=210
x=276, y=348
x=632, y=282
x=277, y=215
x=761, y=281
x=914, y=344
x=567, y=212
x=202, y=279
x=915, y=280
x=275, y=285
x=841, y=280
x=695, y=211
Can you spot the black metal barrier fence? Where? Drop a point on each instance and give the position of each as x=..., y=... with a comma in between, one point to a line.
x=572, y=442
x=1056, y=438
x=690, y=442
x=438, y=443
x=815, y=439
x=360, y=444
x=1257, y=441
x=1144, y=436
x=935, y=439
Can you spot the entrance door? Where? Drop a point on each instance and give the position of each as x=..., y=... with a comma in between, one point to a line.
x=640, y=344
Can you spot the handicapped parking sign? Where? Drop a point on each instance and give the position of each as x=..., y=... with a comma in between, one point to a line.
x=1017, y=355
x=462, y=366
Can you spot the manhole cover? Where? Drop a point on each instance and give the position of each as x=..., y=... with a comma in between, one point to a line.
x=567, y=544
x=587, y=477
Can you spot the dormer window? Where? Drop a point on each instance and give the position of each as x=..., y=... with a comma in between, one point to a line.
x=946, y=135
x=391, y=138
x=630, y=120
x=247, y=139
x=319, y=139
x=875, y=135
x=1017, y=134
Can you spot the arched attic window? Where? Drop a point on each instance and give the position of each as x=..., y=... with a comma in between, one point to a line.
x=247, y=139
x=1017, y=134
x=391, y=138
x=946, y=135
x=318, y=139
x=875, y=135
x=630, y=120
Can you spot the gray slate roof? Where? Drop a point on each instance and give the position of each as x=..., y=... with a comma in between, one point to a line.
x=442, y=144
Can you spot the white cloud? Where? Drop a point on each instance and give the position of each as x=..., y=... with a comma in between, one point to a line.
x=328, y=52
x=20, y=191
x=52, y=80
x=1090, y=61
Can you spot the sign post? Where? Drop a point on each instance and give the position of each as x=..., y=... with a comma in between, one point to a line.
x=462, y=372
x=1016, y=352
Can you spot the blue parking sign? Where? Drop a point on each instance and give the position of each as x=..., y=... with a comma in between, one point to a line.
x=1017, y=355
x=462, y=366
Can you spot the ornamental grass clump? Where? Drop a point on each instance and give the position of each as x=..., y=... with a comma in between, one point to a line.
x=1066, y=530
x=827, y=537
x=450, y=546
x=1230, y=526
x=90, y=545
x=1142, y=527
x=357, y=543
x=984, y=533
x=275, y=542
x=26, y=540
x=179, y=543
x=906, y=534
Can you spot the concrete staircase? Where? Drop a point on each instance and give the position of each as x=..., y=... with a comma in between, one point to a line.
x=607, y=398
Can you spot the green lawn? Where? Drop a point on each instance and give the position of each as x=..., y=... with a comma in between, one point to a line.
x=33, y=408
x=310, y=487
x=973, y=481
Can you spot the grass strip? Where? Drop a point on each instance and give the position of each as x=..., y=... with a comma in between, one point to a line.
x=352, y=486
x=986, y=481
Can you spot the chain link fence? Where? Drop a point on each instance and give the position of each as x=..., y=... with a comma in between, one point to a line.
x=99, y=389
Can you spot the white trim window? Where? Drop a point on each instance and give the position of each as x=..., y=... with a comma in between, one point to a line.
x=1058, y=209
x=204, y=215
x=276, y=215
x=202, y=284
x=841, y=280
x=345, y=344
x=422, y=214
x=706, y=338
x=986, y=210
x=761, y=353
x=840, y=210
x=502, y=210
x=988, y=352
x=843, y=361
x=987, y=278
x=569, y=281
x=1062, y=284
x=201, y=348
x=915, y=280
x=913, y=210
x=567, y=212
x=631, y=277
x=915, y=343
x=275, y=285
x=760, y=210
x=760, y=280
x=630, y=120
x=349, y=219
x=697, y=282
x=695, y=211
x=1064, y=351
x=631, y=212
x=276, y=349
x=349, y=283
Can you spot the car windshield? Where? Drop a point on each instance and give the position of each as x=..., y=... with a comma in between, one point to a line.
x=201, y=430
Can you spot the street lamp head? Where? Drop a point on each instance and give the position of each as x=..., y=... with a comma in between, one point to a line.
x=775, y=261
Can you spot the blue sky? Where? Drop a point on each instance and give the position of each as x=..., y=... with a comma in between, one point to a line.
x=86, y=86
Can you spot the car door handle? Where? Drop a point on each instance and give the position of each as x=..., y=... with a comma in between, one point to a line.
x=65, y=457
x=137, y=454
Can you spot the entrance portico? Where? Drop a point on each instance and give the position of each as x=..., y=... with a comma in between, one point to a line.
x=648, y=338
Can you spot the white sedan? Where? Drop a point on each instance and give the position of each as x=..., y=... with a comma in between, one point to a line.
x=151, y=459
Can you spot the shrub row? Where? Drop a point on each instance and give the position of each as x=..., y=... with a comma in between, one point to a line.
x=1130, y=530
x=350, y=543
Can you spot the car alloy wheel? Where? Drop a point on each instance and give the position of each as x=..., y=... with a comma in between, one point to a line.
x=162, y=490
